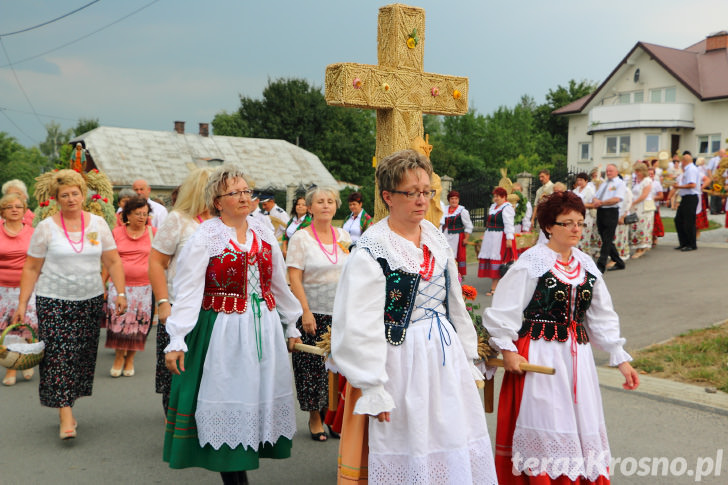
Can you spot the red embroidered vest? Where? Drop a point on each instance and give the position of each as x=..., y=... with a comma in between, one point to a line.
x=226, y=279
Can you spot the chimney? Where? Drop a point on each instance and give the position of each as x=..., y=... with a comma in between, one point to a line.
x=716, y=41
x=179, y=127
x=204, y=129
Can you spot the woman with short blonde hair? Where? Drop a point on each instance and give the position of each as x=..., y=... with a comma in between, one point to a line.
x=17, y=186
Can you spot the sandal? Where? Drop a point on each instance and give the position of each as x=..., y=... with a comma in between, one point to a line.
x=333, y=433
x=28, y=374
x=317, y=436
x=490, y=293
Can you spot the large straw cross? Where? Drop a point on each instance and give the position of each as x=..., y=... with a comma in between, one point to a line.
x=398, y=88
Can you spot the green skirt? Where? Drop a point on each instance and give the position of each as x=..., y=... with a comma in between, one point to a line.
x=181, y=446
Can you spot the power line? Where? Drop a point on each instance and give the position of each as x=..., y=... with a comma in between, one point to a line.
x=49, y=21
x=43, y=115
x=20, y=85
x=2, y=111
x=84, y=36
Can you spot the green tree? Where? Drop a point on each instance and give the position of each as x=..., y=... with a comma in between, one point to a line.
x=55, y=139
x=85, y=125
x=19, y=162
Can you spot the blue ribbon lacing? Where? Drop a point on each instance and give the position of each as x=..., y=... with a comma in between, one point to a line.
x=430, y=305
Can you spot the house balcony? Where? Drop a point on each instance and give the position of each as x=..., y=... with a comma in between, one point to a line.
x=642, y=115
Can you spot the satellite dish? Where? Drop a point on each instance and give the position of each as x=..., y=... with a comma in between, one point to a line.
x=637, y=74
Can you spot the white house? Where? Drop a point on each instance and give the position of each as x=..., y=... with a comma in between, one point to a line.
x=657, y=98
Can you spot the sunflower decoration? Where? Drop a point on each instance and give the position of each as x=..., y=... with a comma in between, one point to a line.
x=412, y=39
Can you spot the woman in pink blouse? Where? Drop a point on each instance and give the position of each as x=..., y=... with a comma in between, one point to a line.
x=127, y=333
x=17, y=186
x=14, y=242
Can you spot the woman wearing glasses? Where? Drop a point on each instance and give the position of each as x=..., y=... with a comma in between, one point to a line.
x=547, y=309
x=403, y=339
x=498, y=244
x=231, y=401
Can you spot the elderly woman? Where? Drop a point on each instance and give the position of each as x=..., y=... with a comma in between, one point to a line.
x=127, y=333
x=315, y=258
x=124, y=195
x=14, y=242
x=358, y=221
x=547, y=309
x=640, y=233
x=498, y=239
x=17, y=186
x=189, y=211
x=231, y=401
x=586, y=194
x=63, y=262
x=403, y=339
x=457, y=227
x=658, y=229
x=300, y=218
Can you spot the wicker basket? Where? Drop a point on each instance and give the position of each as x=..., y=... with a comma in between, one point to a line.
x=525, y=240
x=15, y=360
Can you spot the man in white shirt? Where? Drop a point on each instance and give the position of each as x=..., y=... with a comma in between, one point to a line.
x=689, y=189
x=278, y=217
x=607, y=200
x=258, y=214
x=158, y=212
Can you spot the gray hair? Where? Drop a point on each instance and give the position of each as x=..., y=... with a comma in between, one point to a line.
x=315, y=190
x=218, y=182
x=392, y=169
x=15, y=184
x=126, y=193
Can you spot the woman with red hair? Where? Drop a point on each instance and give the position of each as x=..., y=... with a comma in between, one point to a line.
x=457, y=227
x=498, y=243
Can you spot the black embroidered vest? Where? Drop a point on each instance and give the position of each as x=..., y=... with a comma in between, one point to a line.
x=401, y=291
x=453, y=224
x=494, y=222
x=548, y=314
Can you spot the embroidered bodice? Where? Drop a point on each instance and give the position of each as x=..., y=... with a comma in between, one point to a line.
x=494, y=220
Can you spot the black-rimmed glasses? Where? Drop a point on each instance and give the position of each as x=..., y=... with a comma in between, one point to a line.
x=427, y=194
x=238, y=193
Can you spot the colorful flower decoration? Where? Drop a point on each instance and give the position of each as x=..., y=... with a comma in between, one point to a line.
x=356, y=83
x=385, y=87
x=93, y=238
x=717, y=187
x=95, y=197
x=412, y=40
x=456, y=94
x=344, y=247
x=469, y=292
x=434, y=91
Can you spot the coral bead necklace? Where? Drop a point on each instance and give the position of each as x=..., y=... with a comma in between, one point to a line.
x=71, y=242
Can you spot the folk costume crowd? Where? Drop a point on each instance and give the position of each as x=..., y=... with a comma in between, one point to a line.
x=233, y=299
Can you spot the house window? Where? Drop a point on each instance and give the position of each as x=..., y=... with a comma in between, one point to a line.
x=653, y=144
x=638, y=97
x=631, y=97
x=584, y=151
x=623, y=98
x=663, y=95
x=708, y=143
x=618, y=145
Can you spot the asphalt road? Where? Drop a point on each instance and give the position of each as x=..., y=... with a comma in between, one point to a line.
x=121, y=426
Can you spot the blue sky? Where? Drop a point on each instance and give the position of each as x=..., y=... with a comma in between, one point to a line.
x=185, y=60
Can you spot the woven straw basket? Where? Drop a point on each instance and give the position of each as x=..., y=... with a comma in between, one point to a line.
x=525, y=240
x=15, y=360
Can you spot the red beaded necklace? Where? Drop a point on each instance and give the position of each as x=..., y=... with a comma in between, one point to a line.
x=428, y=263
x=74, y=243
x=566, y=267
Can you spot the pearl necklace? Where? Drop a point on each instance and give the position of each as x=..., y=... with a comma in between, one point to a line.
x=11, y=233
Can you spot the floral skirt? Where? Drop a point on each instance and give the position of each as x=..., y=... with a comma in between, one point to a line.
x=70, y=330
x=312, y=379
x=8, y=304
x=129, y=331
x=640, y=233
x=586, y=234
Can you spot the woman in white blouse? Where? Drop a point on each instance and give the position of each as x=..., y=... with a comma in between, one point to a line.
x=300, y=218
x=190, y=210
x=231, y=401
x=498, y=239
x=405, y=342
x=640, y=233
x=586, y=194
x=358, y=221
x=548, y=307
x=315, y=258
x=63, y=267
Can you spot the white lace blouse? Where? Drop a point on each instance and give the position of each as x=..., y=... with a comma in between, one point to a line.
x=320, y=275
x=171, y=237
x=66, y=274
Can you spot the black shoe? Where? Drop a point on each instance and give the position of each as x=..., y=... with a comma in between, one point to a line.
x=688, y=248
x=617, y=267
x=678, y=248
x=333, y=433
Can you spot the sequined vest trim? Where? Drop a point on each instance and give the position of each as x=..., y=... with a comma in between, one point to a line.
x=453, y=225
x=226, y=280
x=494, y=222
x=401, y=291
x=548, y=315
